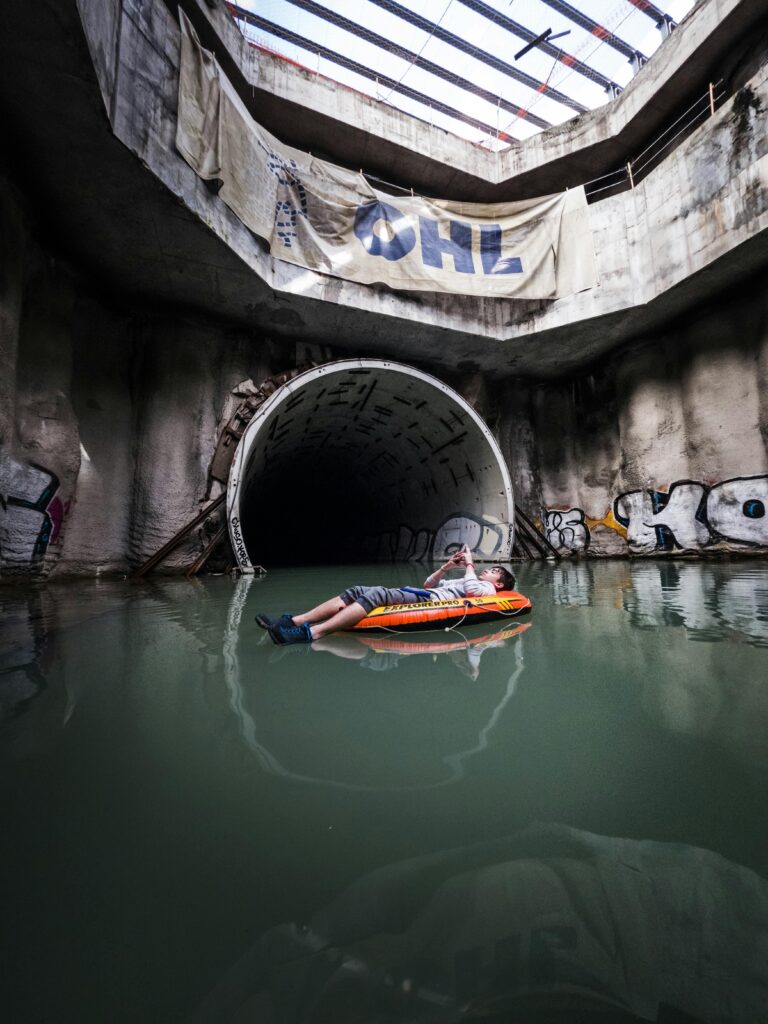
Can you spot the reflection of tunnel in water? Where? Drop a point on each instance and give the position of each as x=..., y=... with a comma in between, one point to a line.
x=367, y=460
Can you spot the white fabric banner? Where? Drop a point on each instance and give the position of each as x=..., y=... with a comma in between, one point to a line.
x=328, y=219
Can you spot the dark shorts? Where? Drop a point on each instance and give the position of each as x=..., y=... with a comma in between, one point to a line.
x=375, y=597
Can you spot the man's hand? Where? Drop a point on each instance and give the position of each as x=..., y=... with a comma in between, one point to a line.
x=458, y=560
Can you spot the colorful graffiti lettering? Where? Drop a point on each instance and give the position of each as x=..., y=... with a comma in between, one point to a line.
x=659, y=521
x=692, y=515
x=31, y=511
x=735, y=510
x=689, y=516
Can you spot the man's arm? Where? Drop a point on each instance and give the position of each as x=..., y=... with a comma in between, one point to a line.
x=472, y=585
x=454, y=562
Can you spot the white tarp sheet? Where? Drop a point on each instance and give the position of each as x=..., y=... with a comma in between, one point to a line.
x=331, y=220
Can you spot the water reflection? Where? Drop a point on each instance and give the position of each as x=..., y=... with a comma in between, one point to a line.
x=550, y=924
x=379, y=653
x=712, y=601
x=31, y=620
x=707, y=602
x=175, y=785
x=22, y=645
x=572, y=583
x=383, y=652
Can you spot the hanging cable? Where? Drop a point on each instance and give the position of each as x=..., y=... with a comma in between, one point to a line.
x=415, y=59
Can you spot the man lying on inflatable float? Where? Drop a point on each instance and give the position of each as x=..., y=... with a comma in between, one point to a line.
x=474, y=598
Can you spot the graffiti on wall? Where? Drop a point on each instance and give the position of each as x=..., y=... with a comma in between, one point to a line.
x=569, y=531
x=566, y=529
x=32, y=512
x=480, y=535
x=483, y=536
x=689, y=516
x=693, y=515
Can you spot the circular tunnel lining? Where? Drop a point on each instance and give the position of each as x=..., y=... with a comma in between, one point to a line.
x=367, y=460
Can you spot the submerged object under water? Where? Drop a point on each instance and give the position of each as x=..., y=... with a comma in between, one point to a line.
x=405, y=618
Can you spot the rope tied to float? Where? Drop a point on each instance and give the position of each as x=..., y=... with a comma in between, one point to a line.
x=468, y=603
x=467, y=606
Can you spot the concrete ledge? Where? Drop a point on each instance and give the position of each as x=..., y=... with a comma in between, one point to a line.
x=696, y=209
x=306, y=109
x=137, y=217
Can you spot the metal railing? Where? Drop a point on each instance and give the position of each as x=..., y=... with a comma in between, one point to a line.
x=635, y=169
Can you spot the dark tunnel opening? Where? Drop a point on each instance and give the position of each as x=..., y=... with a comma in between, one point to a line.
x=366, y=460
x=315, y=512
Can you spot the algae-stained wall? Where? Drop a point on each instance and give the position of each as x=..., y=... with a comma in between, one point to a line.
x=660, y=449
x=109, y=414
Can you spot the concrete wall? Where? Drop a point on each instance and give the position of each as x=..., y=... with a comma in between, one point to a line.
x=109, y=415
x=111, y=411
x=699, y=217
x=110, y=405
x=662, y=448
x=307, y=110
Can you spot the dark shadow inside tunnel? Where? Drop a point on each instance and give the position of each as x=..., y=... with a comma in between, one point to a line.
x=366, y=460
x=308, y=511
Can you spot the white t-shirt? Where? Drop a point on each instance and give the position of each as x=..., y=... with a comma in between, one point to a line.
x=469, y=586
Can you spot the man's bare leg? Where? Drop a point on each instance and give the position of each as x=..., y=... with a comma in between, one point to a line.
x=323, y=611
x=345, y=618
x=347, y=645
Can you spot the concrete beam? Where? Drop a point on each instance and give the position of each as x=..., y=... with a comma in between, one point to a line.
x=648, y=255
x=305, y=110
x=149, y=227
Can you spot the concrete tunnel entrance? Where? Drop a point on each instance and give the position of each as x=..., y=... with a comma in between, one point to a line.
x=367, y=460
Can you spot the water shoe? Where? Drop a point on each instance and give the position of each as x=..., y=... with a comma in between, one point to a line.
x=286, y=619
x=285, y=634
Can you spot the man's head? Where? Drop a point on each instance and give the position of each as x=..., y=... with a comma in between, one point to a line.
x=500, y=577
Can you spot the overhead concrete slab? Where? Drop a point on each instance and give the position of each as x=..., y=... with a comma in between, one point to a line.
x=367, y=460
x=307, y=110
x=136, y=220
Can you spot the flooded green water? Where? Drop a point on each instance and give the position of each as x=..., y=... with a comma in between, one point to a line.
x=537, y=818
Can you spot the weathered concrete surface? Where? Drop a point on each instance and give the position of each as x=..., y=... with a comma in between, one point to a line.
x=110, y=415
x=648, y=241
x=661, y=449
x=104, y=402
x=39, y=457
x=118, y=361
x=306, y=110
x=12, y=246
x=165, y=236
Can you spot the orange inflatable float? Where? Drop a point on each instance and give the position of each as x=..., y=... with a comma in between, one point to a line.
x=406, y=618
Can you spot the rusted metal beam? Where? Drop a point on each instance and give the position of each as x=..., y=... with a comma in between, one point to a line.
x=519, y=512
x=206, y=553
x=177, y=538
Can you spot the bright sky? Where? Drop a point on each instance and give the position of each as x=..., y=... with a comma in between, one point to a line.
x=618, y=16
